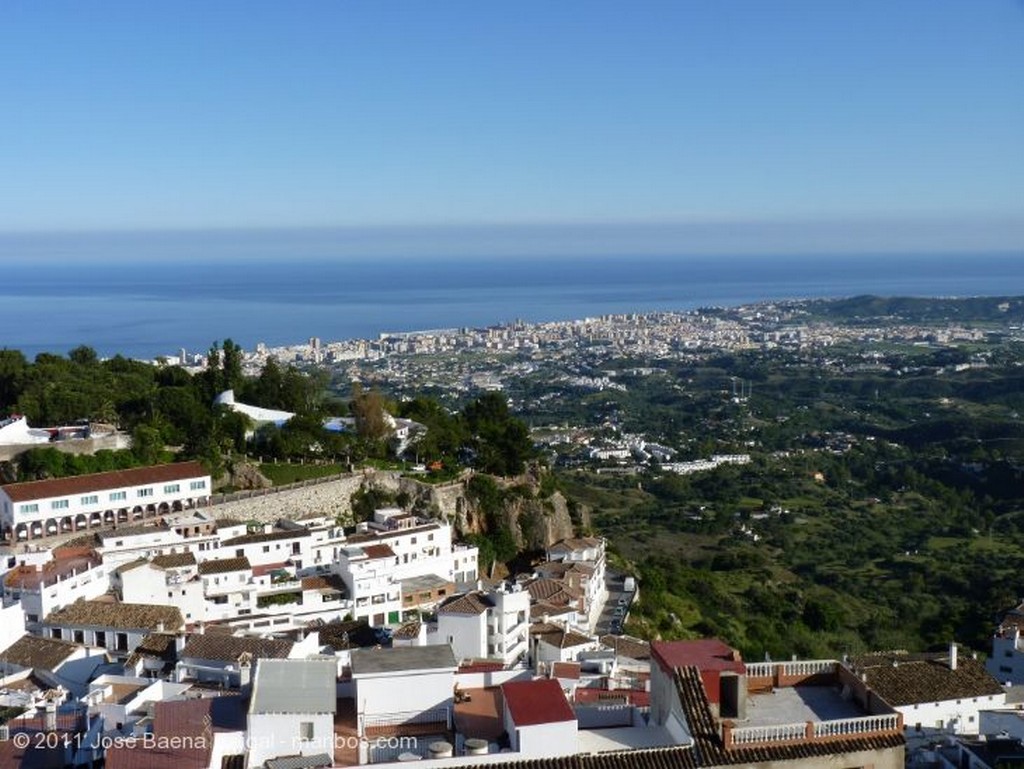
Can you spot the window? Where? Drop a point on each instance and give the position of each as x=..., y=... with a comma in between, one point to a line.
x=172, y=488
x=144, y=493
x=59, y=504
x=118, y=495
x=305, y=730
x=33, y=508
x=92, y=499
x=79, y=636
x=196, y=485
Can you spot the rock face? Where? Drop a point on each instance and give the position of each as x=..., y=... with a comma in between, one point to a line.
x=533, y=521
x=242, y=475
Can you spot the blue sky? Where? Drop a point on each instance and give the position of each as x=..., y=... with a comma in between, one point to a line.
x=706, y=126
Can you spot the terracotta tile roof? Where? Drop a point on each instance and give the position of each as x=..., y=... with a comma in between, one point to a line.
x=174, y=560
x=408, y=631
x=119, y=532
x=123, y=616
x=270, y=536
x=543, y=609
x=265, y=568
x=186, y=720
x=907, y=679
x=224, y=565
x=350, y=634
x=31, y=651
x=131, y=566
x=658, y=758
x=226, y=648
x=536, y=702
x=116, y=479
x=574, y=544
x=378, y=551
x=627, y=646
x=553, y=591
x=481, y=666
x=467, y=603
x=154, y=646
x=569, y=670
x=558, y=636
x=328, y=582
x=703, y=653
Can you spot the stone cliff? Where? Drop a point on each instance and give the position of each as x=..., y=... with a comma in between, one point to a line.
x=534, y=521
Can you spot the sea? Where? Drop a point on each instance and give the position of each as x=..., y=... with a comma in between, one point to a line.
x=144, y=309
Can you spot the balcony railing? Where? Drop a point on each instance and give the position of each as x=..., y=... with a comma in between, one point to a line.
x=755, y=735
x=791, y=668
x=888, y=722
x=811, y=731
x=405, y=718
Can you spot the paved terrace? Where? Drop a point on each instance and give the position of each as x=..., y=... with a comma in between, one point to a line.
x=798, y=704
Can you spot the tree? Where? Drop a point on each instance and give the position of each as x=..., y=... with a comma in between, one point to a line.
x=372, y=422
x=232, y=365
x=83, y=355
x=500, y=441
x=147, y=445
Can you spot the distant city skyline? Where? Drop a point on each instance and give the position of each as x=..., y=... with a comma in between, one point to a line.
x=253, y=130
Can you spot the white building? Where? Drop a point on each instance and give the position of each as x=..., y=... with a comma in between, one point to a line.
x=164, y=580
x=1006, y=664
x=410, y=685
x=935, y=693
x=41, y=587
x=116, y=627
x=552, y=643
x=125, y=544
x=538, y=718
x=39, y=508
x=292, y=709
x=487, y=625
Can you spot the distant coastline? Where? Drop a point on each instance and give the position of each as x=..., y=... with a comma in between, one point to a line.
x=149, y=309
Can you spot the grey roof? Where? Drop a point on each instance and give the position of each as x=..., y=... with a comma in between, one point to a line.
x=300, y=762
x=294, y=686
x=423, y=582
x=402, y=659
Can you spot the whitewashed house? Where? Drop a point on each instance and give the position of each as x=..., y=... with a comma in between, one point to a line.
x=538, y=718
x=487, y=625
x=35, y=509
x=292, y=709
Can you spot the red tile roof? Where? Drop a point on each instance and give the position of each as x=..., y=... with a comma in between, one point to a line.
x=115, y=479
x=536, y=702
x=705, y=654
x=565, y=670
x=378, y=551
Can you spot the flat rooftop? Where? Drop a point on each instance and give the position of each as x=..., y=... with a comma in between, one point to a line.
x=624, y=738
x=798, y=704
x=294, y=686
x=402, y=659
x=480, y=713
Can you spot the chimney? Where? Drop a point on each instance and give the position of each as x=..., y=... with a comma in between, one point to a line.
x=952, y=655
x=50, y=716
